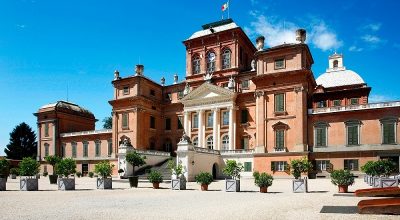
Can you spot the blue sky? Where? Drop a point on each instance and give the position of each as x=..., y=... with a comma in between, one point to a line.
x=47, y=46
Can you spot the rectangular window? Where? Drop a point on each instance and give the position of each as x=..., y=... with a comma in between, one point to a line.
x=125, y=119
x=85, y=149
x=73, y=150
x=97, y=148
x=279, y=102
x=280, y=140
x=195, y=121
x=320, y=137
x=180, y=94
x=168, y=124
x=280, y=64
x=244, y=116
x=152, y=122
x=245, y=84
x=354, y=101
x=46, y=150
x=389, y=136
x=210, y=119
x=225, y=118
x=337, y=103
x=323, y=165
x=321, y=104
x=351, y=165
x=46, y=130
x=110, y=148
x=152, y=92
x=245, y=143
x=126, y=90
x=279, y=166
x=180, y=124
x=352, y=135
x=248, y=167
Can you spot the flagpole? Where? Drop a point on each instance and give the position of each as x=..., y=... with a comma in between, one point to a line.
x=229, y=8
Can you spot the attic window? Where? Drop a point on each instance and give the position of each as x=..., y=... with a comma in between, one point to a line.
x=335, y=64
x=126, y=90
x=280, y=64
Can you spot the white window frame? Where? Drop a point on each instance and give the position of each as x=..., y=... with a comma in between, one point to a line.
x=210, y=142
x=225, y=138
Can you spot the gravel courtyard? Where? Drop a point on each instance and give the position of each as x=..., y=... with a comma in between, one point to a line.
x=86, y=202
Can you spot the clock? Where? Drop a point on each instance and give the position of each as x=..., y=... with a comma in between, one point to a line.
x=211, y=57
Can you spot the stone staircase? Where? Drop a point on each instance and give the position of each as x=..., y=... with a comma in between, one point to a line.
x=160, y=167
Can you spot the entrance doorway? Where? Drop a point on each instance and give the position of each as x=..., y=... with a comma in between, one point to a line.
x=215, y=171
x=85, y=169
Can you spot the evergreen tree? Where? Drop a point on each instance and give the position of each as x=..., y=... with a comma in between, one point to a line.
x=22, y=143
x=107, y=123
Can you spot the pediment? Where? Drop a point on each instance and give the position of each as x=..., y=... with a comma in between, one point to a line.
x=208, y=92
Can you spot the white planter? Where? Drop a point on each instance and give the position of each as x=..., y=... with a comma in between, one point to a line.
x=388, y=182
x=178, y=184
x=28, y=183
x=376, y=182
x=371, y=180
x=3, y=184
x=300, y=185
x=232, y=185
x=66, y=183
x=104, y=183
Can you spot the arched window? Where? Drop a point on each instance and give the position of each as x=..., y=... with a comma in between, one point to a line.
x=335, y=64
x=210, y=142
x=195, y=141
x=225, y=142
x=226, y=59
x=210, y=62
x=196, y=65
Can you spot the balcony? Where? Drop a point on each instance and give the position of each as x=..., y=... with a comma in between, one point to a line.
x=81, y=133
x=206, y=150
x=234, y=152
x=354, y=108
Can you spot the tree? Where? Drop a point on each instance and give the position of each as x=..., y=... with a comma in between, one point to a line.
x=22, y=143
x=107, y=123
x=52, y=160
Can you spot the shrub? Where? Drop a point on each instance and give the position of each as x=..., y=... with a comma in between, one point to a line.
x=4, y=165
x=45, y=174
x=104, y=169
x=342, y=178
x=155, y=177
x=91, y=174
x=52, y=160
x=135, y=159
x=176, y=169
x=233, y=169
x=78, y=174
x=368, y=168
x=379, y=168
x=14, y=171
x=29, y=167
x=263, y=179
x=204, y=178
x=299, y=166
x=66, y=167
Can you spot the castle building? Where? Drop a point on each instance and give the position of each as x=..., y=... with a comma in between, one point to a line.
x=260, y=106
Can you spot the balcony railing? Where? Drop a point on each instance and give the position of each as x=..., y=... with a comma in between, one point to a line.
x=154, y=152
x=206, y=150
x=241, y=151
x=80, y=133
x=354, y=107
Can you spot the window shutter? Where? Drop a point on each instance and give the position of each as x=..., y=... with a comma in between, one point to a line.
x=355, y=164
x=273, y=166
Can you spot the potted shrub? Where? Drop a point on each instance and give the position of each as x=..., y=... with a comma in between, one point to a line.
x=78, y=174
x=178, y=181
x=233, y=170
x=343, y=179
x=204, y=179
x=104, y=170
x=53, y=160
x=91, y=174
x=136, y=160
x=155, y=178
x=296, y=168
x=14, y=172
x=4, y=166
x=263, y=181
x=367, y=168
x=383, y=169
x=45, y=174
x=65, y=168
x=28, y=170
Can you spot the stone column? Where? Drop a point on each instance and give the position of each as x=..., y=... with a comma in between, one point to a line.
x=260, y=123
x=185, y=121
x=39, y=146
x=189, y=129
x=200, y=128
x=215, y=129
x=230, y=133
x=54, y=137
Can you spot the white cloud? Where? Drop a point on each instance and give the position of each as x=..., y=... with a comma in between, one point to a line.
x=371, y=39
x=373, y=26
x=278, y=32
x=355, y=49
x=379, y=98
x=21, y=26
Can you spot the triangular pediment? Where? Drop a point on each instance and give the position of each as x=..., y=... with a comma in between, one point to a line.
x=208, y=92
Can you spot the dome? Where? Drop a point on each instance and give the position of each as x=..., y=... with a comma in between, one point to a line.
x=339, y=78
x=68, y=106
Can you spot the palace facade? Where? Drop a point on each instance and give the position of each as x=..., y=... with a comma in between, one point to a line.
x=260, y=106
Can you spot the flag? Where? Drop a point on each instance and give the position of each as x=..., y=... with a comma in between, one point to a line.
x=225, y=6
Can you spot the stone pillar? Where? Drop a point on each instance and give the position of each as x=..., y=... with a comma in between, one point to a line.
x=215, y=129
x=230, y=133
x=260, y=123
x=189, y=130
x=54, y=137
x=185, y=121
x=185, y=155
x=200, y=128
x=39, y=145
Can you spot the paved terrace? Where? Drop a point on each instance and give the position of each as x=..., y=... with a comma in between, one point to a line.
x=322, y=202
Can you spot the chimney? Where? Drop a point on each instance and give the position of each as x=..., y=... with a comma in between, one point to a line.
x=175, y=78
x=163, y=81
x=301, y=35
x=139, y=69
x=116, y=75
x=260, y=43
